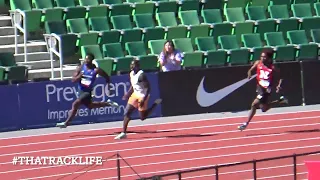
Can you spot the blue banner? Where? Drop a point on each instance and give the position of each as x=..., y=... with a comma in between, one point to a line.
x=43, y=104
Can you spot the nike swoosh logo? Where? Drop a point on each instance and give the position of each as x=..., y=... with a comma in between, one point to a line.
x=206, y=99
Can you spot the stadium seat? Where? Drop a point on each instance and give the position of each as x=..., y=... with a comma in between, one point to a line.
x=211, y=16
x=315, y=35
x=147, y=62
x=254, y=42
x=99, y=24
x=94, y=49
x=51, y=13
x=237, y=55
x=79, y=27
x=57, y=27
x=190, y=19
x=221, y=29
x=144, y=8
x=71, y=10
x=262, y=23
x=107, y=65
x=32, y=16
x=236, y=3
x=13, y=72
x=113, y=50
x=156, y=46
x=107, y=37
x=284, y=52
x=116, y=52
x=305, y=49
x=263, y=3
x=144, y=20
x=189, y=5
x=88, y=2
x=213, y=57
x=97, y=11
x=170, y=6
x=243, y=28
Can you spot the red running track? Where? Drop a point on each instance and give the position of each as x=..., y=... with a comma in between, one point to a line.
x=164, y=148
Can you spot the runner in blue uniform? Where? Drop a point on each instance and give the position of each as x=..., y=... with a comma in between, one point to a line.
x=85, y=75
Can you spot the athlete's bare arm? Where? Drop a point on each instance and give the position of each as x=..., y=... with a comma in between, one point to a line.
x=254, y=66
x=143, y=78
x=277, y=70
x=103, y=74
x=128, y=94
x=77, y=74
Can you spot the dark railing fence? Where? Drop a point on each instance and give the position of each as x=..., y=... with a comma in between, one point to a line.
x=216, y=168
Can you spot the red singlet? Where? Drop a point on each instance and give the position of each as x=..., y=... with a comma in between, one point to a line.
x=264, y=75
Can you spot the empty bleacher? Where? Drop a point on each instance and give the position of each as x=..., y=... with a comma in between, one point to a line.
x=210, y=33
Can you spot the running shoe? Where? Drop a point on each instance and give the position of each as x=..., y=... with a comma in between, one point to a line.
x=61, y=125
x=121, y=136
x=112, y=103
x=243, y=126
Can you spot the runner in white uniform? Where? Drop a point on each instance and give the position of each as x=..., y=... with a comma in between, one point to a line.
x=139, y=94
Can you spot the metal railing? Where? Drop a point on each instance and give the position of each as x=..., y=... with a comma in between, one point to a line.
x=217, y=167
x=54, y=46
x=18, y=16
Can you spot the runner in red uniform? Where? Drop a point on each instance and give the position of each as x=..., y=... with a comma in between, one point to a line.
x=265, y=70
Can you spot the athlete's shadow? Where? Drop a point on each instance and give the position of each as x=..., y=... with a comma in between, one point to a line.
x=290, y=132
x=117, y=132
x=179, y=136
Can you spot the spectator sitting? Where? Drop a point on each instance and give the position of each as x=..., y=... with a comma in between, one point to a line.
x=170, y=58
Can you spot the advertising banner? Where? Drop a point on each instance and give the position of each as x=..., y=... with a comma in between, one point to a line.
x=43, y=104
x=225, y=89
x=310, y=81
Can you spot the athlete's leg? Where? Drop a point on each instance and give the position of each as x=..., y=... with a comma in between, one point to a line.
x=252, y=112
x=127, y=117
x=92, y=105
x=144, y=111
x=131, y=106
x=266, y=107
x=75, y=106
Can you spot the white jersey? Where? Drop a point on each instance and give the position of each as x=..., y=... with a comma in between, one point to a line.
x=138, y=87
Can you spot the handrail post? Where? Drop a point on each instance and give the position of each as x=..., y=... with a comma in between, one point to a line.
x=217, y=172
x=179, y=175
x=118, y=166
x=294, y=166
x=302, y=84
x=254, y=169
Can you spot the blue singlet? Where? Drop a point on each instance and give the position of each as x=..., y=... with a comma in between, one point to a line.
x=88, y=78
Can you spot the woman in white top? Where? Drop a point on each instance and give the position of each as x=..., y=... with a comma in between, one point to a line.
x=170, y=58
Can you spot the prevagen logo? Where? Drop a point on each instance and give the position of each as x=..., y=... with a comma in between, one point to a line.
x=69, y=93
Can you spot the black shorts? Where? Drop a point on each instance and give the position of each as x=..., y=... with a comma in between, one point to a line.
x=263, y=94
x=85, y=97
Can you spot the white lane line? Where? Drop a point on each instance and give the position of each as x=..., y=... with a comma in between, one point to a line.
x=103, y=144
x=169, y=153
x=171, y=145
x=153, y=124
x=162, y=130
x=175, y=161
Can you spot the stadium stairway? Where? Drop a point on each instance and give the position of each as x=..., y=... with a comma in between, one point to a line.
x=39, y=63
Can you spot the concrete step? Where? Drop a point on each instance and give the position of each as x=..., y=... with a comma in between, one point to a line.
x=5, y=21
x=36, y=56
x=43, y=64
x=36, y=46
x=46, y=73
x=9, y=39
x=6, y=30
